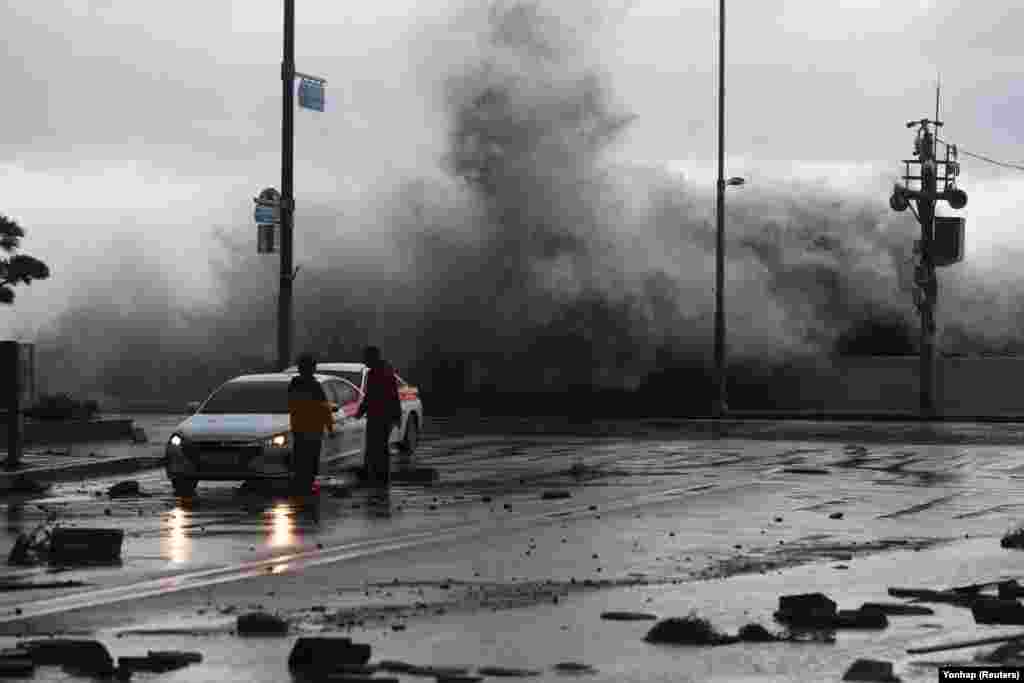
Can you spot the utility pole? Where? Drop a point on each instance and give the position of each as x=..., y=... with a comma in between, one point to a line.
x=284, y=303
x=719, y=402
x=925, y=280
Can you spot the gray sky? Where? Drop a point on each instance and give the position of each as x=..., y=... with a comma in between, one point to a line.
x=153, y=123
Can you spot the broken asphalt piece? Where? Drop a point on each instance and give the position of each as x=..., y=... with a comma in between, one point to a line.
x=85, y=546
x=996, y=611
x=88, y=657
x=506, y=672
x=924, y=595
x=574, y=668
x=860, y=618
x=16, y=662
x=870, y=670
x=159, y=662
x=806, y=609
x=321, y=655
x=628, y=616
x=125, y=489
x=261, y=624
x=1010, y=590
x=555, y=495
x=894, y=609
x=755, y=633
x=1014, y=539
x=691, y=630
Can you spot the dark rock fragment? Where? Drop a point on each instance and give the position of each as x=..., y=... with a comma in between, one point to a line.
x=870, y=670
x=321, y=655
x=689, y=630
x=83, y=656
x=125, y=489
x=261, y=624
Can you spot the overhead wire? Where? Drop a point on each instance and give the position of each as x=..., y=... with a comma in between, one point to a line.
x=982, y=157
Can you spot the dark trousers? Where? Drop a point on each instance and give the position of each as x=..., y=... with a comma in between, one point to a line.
x=378, y=454
x=305, y=459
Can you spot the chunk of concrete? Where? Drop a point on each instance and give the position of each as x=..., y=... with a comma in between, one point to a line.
x=159, y=662
x=996, y=611
x=900, y=609
x=322, y=655
x=16, y=662
x=85, y=546
x=806, y=609
x=755, y=633
x=84, y=656
x=687, y=631
x=860, y=618
x=871, y=670
x=1014, y=539
x=261, y=624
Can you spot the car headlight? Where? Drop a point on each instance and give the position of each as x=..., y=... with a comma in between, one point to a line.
x=278, y=441
x=176, y=440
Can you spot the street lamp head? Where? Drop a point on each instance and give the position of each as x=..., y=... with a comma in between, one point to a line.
x=736, y=181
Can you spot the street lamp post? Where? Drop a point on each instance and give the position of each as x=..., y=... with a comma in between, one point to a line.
x=284, y=304
x=719, y=405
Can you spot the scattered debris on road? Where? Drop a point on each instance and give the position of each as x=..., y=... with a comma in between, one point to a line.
x=87, y=657
x=690, y=630
x=319, y=656
x=261, y=624
x=159, y=661
x=125, y=489
x=871, y=670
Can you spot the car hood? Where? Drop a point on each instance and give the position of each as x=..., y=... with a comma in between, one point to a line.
x=233, y=427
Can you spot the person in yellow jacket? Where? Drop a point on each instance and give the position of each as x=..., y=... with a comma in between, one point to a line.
x=309, y=413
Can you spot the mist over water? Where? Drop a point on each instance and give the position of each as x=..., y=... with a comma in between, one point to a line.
x=534, y=261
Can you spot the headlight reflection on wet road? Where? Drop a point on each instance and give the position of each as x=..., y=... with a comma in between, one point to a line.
x=178, y=544
x=283, y=526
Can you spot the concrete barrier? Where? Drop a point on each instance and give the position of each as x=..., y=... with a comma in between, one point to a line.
x=72, y=431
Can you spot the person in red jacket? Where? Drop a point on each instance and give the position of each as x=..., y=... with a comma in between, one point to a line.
x=383, y=411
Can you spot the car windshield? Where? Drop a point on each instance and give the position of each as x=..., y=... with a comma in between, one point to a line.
x=248, y=398
x=352, y=376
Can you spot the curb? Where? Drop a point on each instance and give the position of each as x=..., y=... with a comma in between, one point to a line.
x=46, y=475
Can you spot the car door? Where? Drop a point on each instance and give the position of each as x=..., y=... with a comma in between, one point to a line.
x=355, y=428
x=334, y=444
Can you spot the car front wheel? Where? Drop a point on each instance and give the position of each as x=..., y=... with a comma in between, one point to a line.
x=183, y=488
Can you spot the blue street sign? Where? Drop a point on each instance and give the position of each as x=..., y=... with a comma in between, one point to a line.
x=268, y=215
x=311, y=94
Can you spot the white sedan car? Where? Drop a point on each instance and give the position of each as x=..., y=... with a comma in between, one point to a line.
x=407, y=435
x=242, y=432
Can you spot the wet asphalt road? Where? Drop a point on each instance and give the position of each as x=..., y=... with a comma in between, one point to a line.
x=652, y=514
